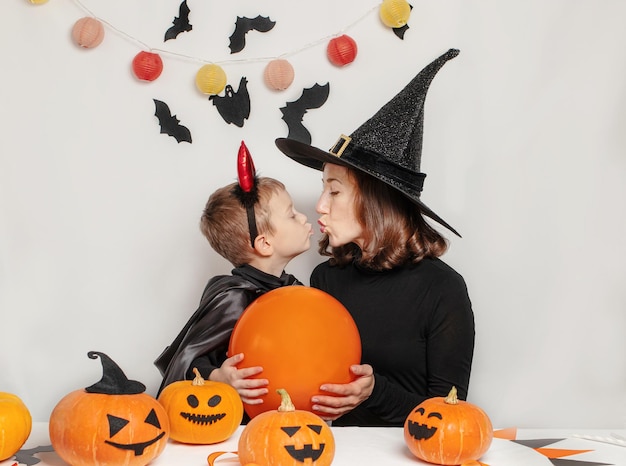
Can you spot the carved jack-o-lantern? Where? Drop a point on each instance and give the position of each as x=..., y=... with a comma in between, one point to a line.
x=287, y=437
x=201, y=412
x=110, y=422
x=448, y=431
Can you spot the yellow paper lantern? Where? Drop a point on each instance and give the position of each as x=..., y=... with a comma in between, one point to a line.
x=278, y=74
x=88, y=32
x=211, y=79
x=394, y=13
x=38, y=2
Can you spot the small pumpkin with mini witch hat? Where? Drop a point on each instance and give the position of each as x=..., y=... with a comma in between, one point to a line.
x=112, y=422
x=201, y=411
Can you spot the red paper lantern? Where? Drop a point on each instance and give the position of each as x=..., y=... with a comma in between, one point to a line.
x=341, y=50
x=302, y=337
x=147, y=66
x=278, y=74
x=88, y=32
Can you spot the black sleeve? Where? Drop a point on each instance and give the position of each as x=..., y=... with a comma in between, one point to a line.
x=204, y=340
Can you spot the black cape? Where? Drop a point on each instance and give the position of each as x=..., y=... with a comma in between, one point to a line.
x=204, y=339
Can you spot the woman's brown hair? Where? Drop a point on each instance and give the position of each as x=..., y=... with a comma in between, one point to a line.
x=394, y=230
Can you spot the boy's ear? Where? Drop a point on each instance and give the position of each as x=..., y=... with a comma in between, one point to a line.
x=262, y=246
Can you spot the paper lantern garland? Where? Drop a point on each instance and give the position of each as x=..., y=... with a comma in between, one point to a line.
x=211, y=79
x=341, y=50
x=88, y=32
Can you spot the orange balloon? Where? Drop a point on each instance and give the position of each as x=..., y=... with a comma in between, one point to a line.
x=302, y=337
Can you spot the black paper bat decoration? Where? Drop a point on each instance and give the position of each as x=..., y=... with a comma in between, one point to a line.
x=234, y=106
x=293, y=112
x=243, y=25
x=401, y=30
x=181, y=23
x=169, y=124
x=27, y=456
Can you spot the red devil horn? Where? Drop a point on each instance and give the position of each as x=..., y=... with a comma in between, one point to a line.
x=245, y=169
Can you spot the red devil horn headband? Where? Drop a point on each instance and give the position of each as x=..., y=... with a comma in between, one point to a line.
x=247, y=189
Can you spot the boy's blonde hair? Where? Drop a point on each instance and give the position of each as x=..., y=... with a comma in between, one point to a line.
x=224, y=222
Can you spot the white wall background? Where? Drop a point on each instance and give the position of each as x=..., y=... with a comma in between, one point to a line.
x=524, y=147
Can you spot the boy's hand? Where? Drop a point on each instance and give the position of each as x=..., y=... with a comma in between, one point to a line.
x=345, y=397
x=249, y=389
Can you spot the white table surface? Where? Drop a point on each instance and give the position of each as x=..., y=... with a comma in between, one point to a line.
x=364, y=446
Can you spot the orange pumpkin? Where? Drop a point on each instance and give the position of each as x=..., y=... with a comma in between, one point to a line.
x=286, y=437
x=201, y=412
x=109, y=423
x=15, y=424
x=302, y=337
x=448, y=431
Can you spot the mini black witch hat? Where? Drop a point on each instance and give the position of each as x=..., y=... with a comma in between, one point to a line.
x=388, y=146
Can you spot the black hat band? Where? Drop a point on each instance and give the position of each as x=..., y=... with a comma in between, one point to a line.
x=378, y=166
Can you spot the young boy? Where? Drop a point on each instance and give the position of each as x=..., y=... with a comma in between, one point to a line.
x=254, y=225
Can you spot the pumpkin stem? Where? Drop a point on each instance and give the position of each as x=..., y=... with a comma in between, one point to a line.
x=452, y=399
x=198, y=379
x=285, y=401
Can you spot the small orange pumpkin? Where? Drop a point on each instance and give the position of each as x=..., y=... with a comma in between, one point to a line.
x=287, y=437
x=15, y=424
x=112, y=422
x=201, y=412
x=448, y=431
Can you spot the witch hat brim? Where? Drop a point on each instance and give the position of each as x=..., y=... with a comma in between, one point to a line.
x=387, y=146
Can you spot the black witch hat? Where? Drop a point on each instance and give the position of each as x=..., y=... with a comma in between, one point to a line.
x=388, y=146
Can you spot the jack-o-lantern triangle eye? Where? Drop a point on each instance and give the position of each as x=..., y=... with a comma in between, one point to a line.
x=116, y=424
x=291, y=431
x=152, y=419
x=317, y=428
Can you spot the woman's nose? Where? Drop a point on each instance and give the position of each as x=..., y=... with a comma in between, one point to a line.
x=320, y=207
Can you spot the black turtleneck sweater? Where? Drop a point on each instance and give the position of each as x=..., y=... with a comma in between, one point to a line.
x=417, y=332
x=203, y=341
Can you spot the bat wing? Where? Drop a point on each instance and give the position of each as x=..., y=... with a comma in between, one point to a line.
x=234, y=107
x=293, y=112
x=180, y=23
x=169, y=124
x=243, y=25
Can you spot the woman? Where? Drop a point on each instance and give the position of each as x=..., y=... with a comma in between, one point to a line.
x=412, y=310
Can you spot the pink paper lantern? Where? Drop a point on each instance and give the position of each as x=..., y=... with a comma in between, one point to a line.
x=88, y=32
x=341, y=50
x=147, y=66
x=278, y=74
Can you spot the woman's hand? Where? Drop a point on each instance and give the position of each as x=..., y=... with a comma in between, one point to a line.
x=345, y=397
x=249, y=389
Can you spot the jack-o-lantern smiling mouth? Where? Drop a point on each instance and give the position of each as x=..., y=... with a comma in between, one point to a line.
x=204, y=419
x=422, y=431
x=307, y=451
x=138, y=448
